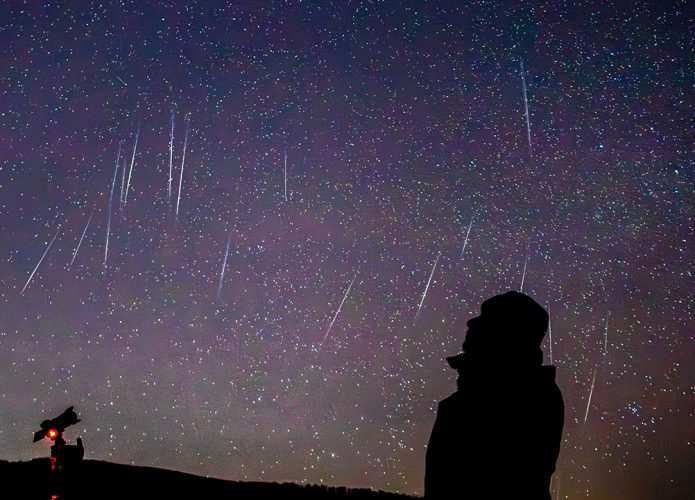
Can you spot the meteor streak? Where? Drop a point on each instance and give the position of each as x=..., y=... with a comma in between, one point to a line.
x=171, y=155
x=523, y=274
x=183, y=162
x=465, y=241
x=605, y=341
x=40, y=260
x=120, y=200
x=339, y=308
x=82, y=237
x=427, y=287
x=132, y=162
x=591, y=391
x=528, y=122
x=224, y=264
x=113, y=185
x=285, y=173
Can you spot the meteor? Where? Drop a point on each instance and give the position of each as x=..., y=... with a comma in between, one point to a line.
x=605, y=341
x=465, y=241
x=183, y=162
x=113, y=185
x=528, y=122
x=591, y=392
x=427, y=287
x=82, y=237
x=285, y=173
x=339, y=308
x=40, y=260
x=120, y=200
x=132, y=162
x=171, y=154
x=224, y=263
x=523, y=273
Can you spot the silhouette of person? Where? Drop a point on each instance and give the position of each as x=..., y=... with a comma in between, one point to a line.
x=498, y=435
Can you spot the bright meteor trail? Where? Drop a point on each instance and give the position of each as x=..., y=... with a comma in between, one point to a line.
x=183, y=163
x=528, y=121
x=40, y=260
x=132, y=162
x=338, y=311
x=465, y=241
x=285, y=174
x=120, y=199
x=84, y=232
x=427, y=287
x=605, y=341
x=591, y=392
x=224, y=264
x=523, y=273
x=171, y=156
x=108, y=224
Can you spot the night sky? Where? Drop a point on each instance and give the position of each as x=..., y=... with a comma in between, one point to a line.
x=368, y=167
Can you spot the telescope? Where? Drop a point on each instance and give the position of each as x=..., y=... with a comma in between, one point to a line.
x=54, y=427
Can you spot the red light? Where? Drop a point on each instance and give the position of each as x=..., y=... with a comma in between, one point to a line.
x=52, y=434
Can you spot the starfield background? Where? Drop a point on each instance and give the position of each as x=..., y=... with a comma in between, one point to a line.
x=242, y=237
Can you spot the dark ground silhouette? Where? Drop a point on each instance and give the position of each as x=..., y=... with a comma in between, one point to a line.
x=97, y=480
x=498, y=435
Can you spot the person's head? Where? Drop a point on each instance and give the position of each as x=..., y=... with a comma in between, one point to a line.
x=510, y=328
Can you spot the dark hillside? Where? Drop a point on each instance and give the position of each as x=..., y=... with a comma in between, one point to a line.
x=104, y=480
